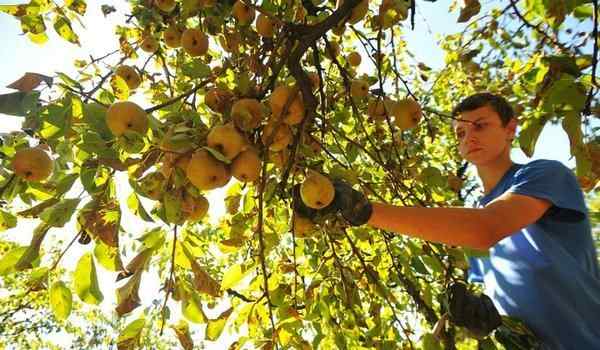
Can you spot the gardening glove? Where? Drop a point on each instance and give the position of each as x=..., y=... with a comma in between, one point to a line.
x=352, y=204
x=477, y=313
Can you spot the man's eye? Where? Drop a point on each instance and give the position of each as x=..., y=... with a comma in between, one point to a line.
x=479, y=126
x=460, y=135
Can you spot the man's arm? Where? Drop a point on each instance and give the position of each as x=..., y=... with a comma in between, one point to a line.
x=478, y=228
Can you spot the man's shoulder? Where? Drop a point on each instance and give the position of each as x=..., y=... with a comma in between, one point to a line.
x=539, y=167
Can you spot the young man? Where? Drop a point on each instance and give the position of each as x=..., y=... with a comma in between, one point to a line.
x=532, y=218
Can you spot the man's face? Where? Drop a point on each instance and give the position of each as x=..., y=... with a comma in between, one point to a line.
x=481, y=137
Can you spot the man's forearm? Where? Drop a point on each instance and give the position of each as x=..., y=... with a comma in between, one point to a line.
x=466, y=227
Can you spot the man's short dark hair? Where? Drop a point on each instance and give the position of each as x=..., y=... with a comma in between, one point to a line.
x=496, y=102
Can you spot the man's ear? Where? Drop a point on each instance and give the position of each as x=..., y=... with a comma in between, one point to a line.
x=512, y=127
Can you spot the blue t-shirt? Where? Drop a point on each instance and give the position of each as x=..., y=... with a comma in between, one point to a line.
x=547, y=273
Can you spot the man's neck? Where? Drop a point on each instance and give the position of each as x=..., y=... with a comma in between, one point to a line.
x=490, y=174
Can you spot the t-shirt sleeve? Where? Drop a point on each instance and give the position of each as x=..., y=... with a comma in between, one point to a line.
x=552, y=181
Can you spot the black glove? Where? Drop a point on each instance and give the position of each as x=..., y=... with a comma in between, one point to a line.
x=477, y=313
x=352, y=204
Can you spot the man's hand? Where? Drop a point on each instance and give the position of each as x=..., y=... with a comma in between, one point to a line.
x=477, y=313
x=352, y=204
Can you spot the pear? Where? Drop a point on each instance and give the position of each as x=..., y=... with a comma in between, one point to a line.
x=354, y=58
x=247, y=113
x=227, y=140
x=172, y=36
x=166, y=5
x=359, y=88
x=264, y=26
x=218, y=99
x=206, y=172
x=283, y=135
x=407, y=113
x=195, y=208
x=303, y=227
x=32, y=164
x=278, y=99
x=243, y=13
x=131, y=77
x=377, y=108
x=358, y=12
x=246, y=166
x=149, y=44
x=194, y=42
x=317, y=191
x=126, y=116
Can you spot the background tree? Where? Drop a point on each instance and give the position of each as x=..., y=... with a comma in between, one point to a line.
x=266, y=92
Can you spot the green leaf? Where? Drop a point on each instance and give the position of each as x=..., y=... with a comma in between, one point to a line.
x=39, y=39
x=94, y=115
x=9, y=260
x=85, y=281
x=191, y=308
x=127, y=295
x=428, y=342
x=134, y=203
x=119, y=87
x=61, y=300
x=564, y=93
x=33, y=24
x=65, y=184
x=530, y=131
x=153, y=238
x=59, y=214
x=195, y=69
x=108, y=256
x=7, y=220
x=62, y=26
x=33, y=250
x=234, y=275
x=18, y=103
x=172, y=203
x=217, y=155
x=182, y=330
x=129, y=338
x=215, y=327
x=78, y=6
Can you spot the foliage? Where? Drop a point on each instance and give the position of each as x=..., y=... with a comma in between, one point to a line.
x=327, y=286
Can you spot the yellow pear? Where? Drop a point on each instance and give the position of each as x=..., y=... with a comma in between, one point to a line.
x=206, y=172
x=166, y=5
x=126, y=116
x=243, y=13
x=129, y=74
x=172, y=35
x=194, y=42
x=247, y=113
x=149, y=44
x=354, y=58
x=195, y=208
x=358, y=12
x=359, y=89
x=246, y=166
x=32, y=164
x=218, y=99
x=264, y=26
x=278, y=100
x=227, y=140
x=377, y=108
x=407, y=113
x=316, y=191
x=303, y=227
x=281, y=138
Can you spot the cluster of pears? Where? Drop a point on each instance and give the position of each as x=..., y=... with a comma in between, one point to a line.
x=32, y=164
x=406, y=112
